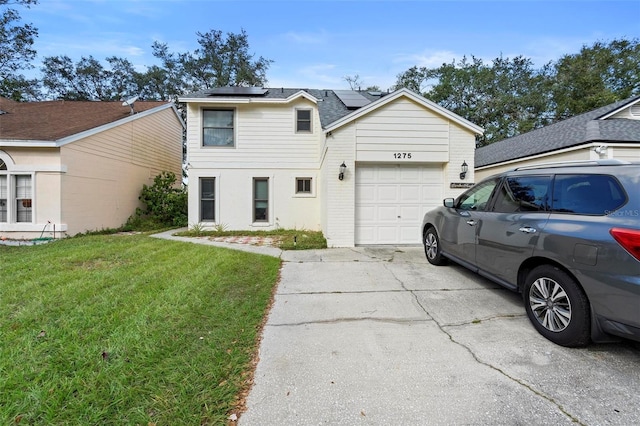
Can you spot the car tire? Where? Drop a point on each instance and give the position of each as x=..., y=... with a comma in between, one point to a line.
x=557, y=306
x=432, y=250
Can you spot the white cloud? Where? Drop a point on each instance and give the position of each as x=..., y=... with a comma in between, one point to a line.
x=306, y=37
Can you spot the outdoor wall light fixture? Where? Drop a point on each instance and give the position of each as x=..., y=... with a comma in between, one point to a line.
x=463, y=170
x=343, y=167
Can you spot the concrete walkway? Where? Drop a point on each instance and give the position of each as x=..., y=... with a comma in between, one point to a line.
x=377, y=336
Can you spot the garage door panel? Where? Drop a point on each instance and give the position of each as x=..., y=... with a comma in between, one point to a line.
x=387, y=193
x=410, y=193
x=387, y=213
x=391, y=201
x=366, y=194
x=410, y=213
x=367, y=214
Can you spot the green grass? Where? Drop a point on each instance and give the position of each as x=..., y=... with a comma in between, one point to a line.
x=117, y=329
x=286, y=239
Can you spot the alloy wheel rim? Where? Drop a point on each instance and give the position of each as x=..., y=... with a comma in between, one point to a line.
x=431, y=245
x=550, y=304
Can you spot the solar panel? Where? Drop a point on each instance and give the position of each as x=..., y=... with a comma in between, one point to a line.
x=351, y=99
x=237, y=91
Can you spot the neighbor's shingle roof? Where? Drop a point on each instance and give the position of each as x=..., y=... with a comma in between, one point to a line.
x=578, y=130
x=54, y=120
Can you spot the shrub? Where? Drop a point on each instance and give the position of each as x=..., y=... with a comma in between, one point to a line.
x=166, y=203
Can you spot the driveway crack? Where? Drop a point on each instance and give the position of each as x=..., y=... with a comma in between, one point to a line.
x=520, y=382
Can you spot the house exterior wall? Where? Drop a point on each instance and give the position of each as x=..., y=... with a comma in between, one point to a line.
x=106, y=171
x=43, y=165
x=400, y=130
x=339, y=226
x=265, y=145
x=401, y=133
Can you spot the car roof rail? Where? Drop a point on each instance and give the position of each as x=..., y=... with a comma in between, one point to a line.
x=576, y=163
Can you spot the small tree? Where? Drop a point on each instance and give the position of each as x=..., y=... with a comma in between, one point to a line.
x=166, y=202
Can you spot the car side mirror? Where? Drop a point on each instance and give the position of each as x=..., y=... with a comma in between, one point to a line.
x=448, y=202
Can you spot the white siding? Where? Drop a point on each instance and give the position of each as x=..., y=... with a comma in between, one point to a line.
x=265, y=137
x=402, y=127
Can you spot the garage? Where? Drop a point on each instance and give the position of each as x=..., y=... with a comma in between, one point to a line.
x=390, y=201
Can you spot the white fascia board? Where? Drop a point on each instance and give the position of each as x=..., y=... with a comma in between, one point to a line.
x=114, y=124
x=539, y=156
x=622, y=108
x=25, y=143
x=411, y=95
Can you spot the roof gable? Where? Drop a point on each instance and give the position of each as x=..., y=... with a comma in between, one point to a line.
x=406, y=93
x=59, y=120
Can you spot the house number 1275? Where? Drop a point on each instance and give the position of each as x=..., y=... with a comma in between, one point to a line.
x=402, y=155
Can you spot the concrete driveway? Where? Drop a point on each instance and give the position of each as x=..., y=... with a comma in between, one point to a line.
x=377, y=336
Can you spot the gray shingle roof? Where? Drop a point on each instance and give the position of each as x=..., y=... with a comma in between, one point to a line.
x=330, y=107
x=581, y=129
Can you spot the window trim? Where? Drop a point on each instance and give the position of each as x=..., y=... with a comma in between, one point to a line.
x=312, y=189
x=214, y=199
x=202, y=127
x=12, y=200
x=298, y=120
x=253, y=201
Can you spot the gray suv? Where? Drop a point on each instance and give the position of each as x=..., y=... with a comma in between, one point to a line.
x=565, y=235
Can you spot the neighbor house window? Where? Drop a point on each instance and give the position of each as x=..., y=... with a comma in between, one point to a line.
x=4, y=195
x=217, y=127
x=260, y=199
x=23, y=198
x=208, y=199
x=303, y=120
x=303, y=185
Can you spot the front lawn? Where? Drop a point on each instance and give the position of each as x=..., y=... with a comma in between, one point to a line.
x=128, y=329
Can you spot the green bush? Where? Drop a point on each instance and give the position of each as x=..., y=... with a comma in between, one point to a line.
x=166, y=204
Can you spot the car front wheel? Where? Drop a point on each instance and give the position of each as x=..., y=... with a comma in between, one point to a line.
x=557, y=306
x=432, y=248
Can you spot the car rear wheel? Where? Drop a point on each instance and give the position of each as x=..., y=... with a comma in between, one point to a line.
x=557, y=306
x=432, y=248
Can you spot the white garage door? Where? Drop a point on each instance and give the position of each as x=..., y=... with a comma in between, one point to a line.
x=391, y=201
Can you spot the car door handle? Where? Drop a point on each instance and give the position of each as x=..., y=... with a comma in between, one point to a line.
x=471, y=222
x=528, y=230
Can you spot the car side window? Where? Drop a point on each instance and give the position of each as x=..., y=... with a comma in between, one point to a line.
x=523, y=194
x=587, y=194
x=477, y=197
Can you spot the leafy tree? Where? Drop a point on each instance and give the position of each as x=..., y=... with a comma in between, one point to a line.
x=16, y=52
x=596, y=76
x=505, y=98
x=88, y=79
x=223, y=61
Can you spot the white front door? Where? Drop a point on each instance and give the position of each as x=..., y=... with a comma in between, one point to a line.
x=391, y=201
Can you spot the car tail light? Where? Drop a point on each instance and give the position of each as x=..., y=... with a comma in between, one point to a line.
x=629, y=239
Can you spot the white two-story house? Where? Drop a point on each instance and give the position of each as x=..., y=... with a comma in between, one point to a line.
x=362, y=167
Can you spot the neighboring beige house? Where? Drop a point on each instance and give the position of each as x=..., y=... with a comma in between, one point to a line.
x=612, y=131
x=67, y=167
x=268, y=158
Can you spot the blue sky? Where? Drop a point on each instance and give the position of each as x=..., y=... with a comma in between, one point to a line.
x=315, y=44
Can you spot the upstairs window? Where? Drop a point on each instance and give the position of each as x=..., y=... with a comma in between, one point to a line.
x=217, y=127
x=303, y=121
